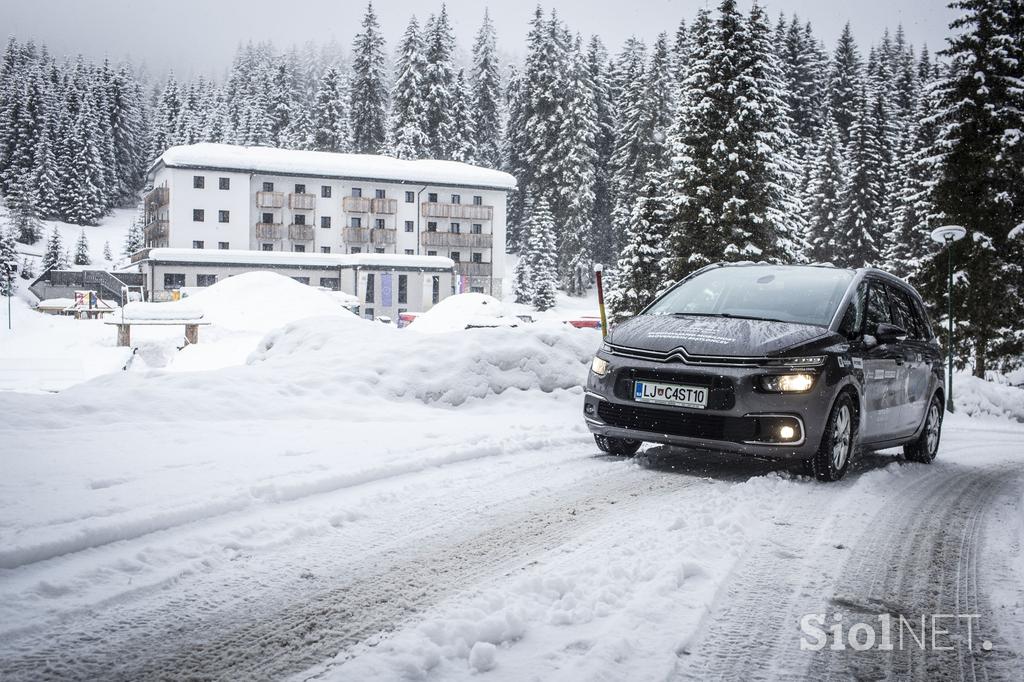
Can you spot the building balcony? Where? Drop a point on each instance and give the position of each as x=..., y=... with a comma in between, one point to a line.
x=365, y=235
x=457, y=239
x=157, y=197
x=155, y=233
x=384, y=206
x=355, y=204
x=302, y=202
x=270, y=199
x=300, y=233
x=471, y=269
x=466, y=211
x=268, y=230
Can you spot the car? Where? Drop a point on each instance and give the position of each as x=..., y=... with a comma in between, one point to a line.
x=808, y=363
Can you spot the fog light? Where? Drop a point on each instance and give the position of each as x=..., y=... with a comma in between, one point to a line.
x=599, y=366
x=787, y=433
x=787, y=383
x=588, y=408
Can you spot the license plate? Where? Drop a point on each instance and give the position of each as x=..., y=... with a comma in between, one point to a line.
x=670, y=394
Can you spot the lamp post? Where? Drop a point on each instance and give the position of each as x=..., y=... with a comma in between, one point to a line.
x=598, y=276
x=946, y=235
x=10, y=291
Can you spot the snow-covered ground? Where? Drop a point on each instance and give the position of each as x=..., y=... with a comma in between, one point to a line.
x=112, y=229
x=306, y=493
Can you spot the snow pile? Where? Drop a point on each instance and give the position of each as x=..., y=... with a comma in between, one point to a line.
x=977, y=397
x=351, y=357
x=461, y=312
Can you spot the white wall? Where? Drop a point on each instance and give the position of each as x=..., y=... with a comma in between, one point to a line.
x=183, y=230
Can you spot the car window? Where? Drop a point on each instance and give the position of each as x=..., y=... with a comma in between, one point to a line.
x=804, y=295
x=878, y=308
x=922, y=315
x=903, y=312
x=853, y=319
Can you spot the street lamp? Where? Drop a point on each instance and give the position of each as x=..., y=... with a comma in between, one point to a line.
x=946, y=235
x=10, y=291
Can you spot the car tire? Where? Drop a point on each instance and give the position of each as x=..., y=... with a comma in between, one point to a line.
x=926, y=446
x=620, y=447
x=838, y=443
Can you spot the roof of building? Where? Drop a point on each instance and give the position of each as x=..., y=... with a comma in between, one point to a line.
x=292, y=259
x=363, y=166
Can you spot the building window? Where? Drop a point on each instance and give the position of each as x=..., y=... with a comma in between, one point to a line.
x=431, y=253
x=300, y=189
x=325, y=221
x=268, y=218
x=476, y=290
x=369, y=313
x=355, y=221
x=408, y=226
x=223, y=216
x=431, y=226
x=456, y=228
x=299, y=248
x=355, y=249
x=301, y=280
x=357, y=191
x=268, y=247
x=410, y=252
x=198, y=182
x=456, y=199
x=432, y=197
x=378, y=249
x=477, y=257
x=224, y=183
x=435, y=289
x=369, y=288
x=325, y=191
x=332, y=283
x=325, y=249
x=174, y=280
x=455, y=256
x=478, y=200
x=223, y=246
x=380, y=193
x=410, y=197
x=378, y=223
x=198, y=244
x=198, y=215
x=403, y=288
x=299, y=218
x=268, y=187
x=477, y=228
x=206, y=280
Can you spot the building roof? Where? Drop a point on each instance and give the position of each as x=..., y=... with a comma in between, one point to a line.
x=297, y=260
x=362, y=166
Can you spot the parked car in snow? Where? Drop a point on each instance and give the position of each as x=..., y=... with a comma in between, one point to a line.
x=811, y=363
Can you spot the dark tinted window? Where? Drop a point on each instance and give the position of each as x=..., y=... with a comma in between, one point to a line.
x=853, y=319
x=903, y=313
x=878, y=308
x=805, y=295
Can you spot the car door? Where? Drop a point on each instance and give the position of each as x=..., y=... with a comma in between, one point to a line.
x=884, y=394
x=914, y=374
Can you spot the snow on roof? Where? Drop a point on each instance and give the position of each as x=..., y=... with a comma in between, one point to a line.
x=368, y=166
x=220, y=256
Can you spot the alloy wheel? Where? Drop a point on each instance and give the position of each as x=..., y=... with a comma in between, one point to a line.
x=933, y=428
x=841, y=437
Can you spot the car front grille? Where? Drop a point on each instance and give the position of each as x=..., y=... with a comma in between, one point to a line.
x=675, y=423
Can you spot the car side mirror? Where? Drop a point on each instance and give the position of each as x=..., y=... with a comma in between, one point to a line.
x=890, y=333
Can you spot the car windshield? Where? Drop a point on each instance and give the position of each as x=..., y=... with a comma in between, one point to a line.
x=805, y=295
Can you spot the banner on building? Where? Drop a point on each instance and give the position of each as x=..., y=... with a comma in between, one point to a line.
x=385, y=289
x=462, y=285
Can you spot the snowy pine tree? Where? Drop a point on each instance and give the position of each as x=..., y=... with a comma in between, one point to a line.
x=604, y=146
x=369, y=93
x=439, y=86
x=826, y=179
x=541, y=254
x=486, y=96
x=639, y=273
x=54, y=256
x=859, y=232
x=330, y=122
x=407, y=126
x=8, y=262
x=108, y=254
x=82, y=250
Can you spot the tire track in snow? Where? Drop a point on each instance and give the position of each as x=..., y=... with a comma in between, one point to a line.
x=265, y=622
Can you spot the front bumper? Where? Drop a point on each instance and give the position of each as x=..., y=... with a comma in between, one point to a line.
x=739, y=417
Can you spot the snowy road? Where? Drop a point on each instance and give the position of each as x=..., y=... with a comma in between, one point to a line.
x=676, y=565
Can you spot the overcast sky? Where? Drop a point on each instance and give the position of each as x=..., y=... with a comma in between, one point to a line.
x=200, y=36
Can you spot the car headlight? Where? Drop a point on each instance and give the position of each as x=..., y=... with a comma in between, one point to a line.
x=599, y=366
x=802, y=361
x=787, y=383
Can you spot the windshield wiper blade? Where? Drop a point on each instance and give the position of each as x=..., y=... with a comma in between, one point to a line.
x=732, y=316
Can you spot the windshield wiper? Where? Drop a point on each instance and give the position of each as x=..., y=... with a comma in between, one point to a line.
x=733, y=316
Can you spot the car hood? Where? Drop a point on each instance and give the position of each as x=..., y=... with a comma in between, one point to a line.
x=715, y=336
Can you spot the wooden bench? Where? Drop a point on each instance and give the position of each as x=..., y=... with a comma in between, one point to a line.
x=124, y=328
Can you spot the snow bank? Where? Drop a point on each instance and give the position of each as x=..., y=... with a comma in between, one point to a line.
x=462, y=311
x=977, y=397
x=352, y=357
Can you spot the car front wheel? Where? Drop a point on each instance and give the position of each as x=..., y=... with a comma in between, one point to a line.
x=926, y=446
x=620, y=447
x=837, y=444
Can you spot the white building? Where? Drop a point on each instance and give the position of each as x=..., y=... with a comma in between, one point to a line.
x=225, y=198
